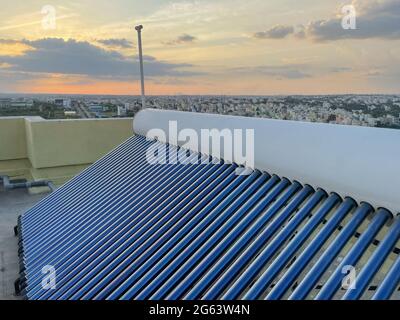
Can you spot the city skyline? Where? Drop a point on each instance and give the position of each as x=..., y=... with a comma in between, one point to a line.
x=200, y=47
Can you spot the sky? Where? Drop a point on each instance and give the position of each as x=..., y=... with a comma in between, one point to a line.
x=216, y=47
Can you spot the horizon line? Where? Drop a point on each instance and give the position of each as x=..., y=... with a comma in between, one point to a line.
x=209, y=95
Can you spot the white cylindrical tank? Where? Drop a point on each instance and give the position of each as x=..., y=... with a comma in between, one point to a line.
x=360, y=162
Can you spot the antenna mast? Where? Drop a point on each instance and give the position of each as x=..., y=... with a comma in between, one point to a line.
x=139, y=31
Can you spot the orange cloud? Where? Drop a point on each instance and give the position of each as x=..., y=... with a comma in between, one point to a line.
x=5, y=65
x=13, y=48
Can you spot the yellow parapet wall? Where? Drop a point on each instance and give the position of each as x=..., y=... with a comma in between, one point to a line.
x=56, y=149
x=12, y=138
x=56, y=143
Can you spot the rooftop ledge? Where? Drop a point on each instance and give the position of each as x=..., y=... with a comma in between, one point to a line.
x=359, y=162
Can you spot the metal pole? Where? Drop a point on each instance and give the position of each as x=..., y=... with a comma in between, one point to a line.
x=139, y=30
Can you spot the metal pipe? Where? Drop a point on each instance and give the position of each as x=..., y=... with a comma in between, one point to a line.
x=203, y=250
x=39, y=215
x=330, y=253
x=225, y=243
x=128, y=227
x=374, y=263
x=230, y=273
x=139, y=31
x=143, y=206
x=389, y=284
x=266, y=278
x=159, y=261
x=189, y=255
x=333, y=283
x=241, y=243
x=206, y=230
x=144, y=242
x=72, y=223
x=79, y=183
x=8, y=185
x=255, y=267
x=306, y=256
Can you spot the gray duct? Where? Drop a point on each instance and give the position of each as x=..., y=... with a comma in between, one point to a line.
x=25, y=185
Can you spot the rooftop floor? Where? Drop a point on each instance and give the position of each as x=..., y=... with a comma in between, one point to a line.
x=12, y=204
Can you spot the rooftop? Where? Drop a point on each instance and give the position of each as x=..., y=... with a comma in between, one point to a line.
x=13, y=204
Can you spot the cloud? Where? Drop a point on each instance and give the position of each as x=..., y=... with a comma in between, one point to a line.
x=5, y=65
x=182, y=39
x=374, y=73
x=300, y=32
x=53, y=55
x=186, y=38
x=277, y=72
x=276, y=32
x=9, y=80
x=340, y=69
x=9, y=47
x=8, y=41
x=34, y=23
x=116, y=43
x=374, y=20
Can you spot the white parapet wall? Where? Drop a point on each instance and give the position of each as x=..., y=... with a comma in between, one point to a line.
x=360, y=162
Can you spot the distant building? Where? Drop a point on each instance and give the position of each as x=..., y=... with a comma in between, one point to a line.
x=59, y=102
x=21, y=104
x=63, y=103
x=67, y=103
x=4, y=103
x=96, y=108
x=121, y=111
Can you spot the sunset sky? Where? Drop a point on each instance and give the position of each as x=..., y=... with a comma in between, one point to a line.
x=250, y=47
